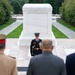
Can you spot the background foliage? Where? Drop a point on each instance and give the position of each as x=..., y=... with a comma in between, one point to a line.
x=5, y=11
x=18, y=4
x=67, y=11
x=55, y=4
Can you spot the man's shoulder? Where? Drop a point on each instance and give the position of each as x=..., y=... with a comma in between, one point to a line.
x=40, y=40
x=36, y=57
x=33, y=40
x=12, y=59
x=71, y=55
x=57, y=58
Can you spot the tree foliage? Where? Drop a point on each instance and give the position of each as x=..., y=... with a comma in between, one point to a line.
x=5, y=10
x=36, y=1
x=67, y=11
x=55, y=4
x=18, y=4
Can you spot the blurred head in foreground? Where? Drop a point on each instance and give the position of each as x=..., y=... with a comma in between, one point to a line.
x=2, y=42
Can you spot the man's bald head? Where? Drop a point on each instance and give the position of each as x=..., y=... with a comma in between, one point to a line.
x=47, y=44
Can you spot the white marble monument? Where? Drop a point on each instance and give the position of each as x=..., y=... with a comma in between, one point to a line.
x=36, y=18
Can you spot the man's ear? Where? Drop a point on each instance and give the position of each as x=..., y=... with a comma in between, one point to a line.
x=52, y=47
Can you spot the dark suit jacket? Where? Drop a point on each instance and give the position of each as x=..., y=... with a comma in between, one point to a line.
x=46, y=64
x=70, y=64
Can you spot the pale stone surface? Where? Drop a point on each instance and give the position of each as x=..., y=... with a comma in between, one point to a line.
x=21, y=52
x=36, y=18
x=69, y=51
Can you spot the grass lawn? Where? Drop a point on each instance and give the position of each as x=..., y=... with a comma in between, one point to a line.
x=66, y=25
x=7, y=24
x=57, y=33
x=16, y=33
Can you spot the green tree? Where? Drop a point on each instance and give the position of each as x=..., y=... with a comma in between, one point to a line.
x=5, y=10
x=67, y=11
x=55, y=4
x=2, y=14
x=36, y=1
x=17, y=5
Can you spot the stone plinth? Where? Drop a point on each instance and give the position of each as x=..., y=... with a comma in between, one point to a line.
x=36, y=18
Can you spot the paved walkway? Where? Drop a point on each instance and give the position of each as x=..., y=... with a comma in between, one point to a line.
x=69, y=33
x=10, y=28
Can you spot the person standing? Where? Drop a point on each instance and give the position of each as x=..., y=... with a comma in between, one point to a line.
x=46, y=63
x=70, y=64
x=7, y=63
x=35, y=45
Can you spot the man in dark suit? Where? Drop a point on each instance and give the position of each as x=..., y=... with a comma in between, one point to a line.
x=70, y=64
x=46, y=63
x=35, y=45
